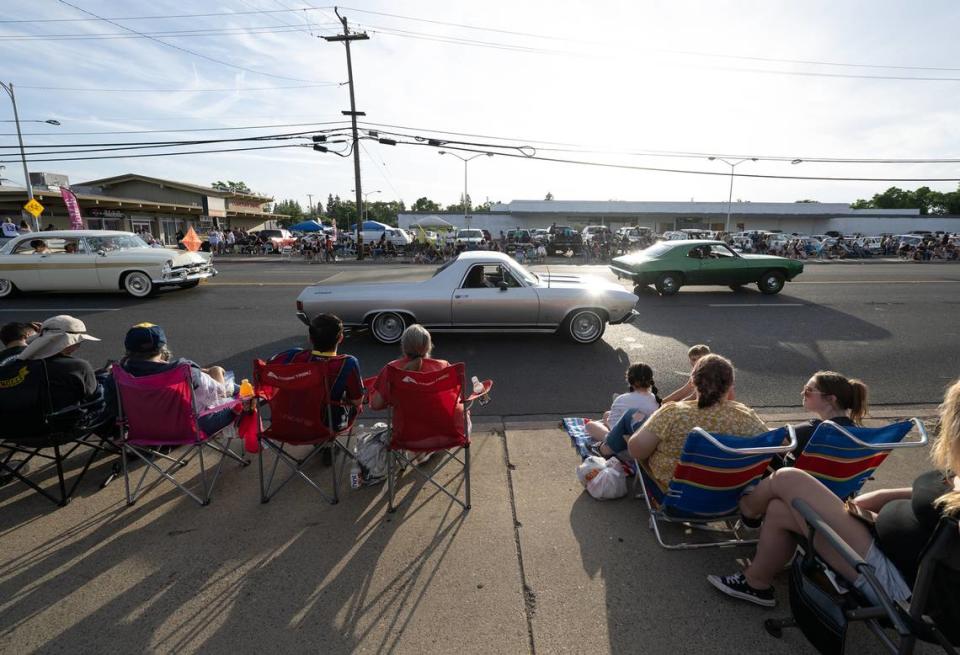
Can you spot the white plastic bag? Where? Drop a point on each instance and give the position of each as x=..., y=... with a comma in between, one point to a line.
x=610, y=482
x=371, y=454
x=589, y=468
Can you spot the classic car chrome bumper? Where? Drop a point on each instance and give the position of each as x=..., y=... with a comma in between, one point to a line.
x=179, y=277
x=621, y=272
x=630, y=316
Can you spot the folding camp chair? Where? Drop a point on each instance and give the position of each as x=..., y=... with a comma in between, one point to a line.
x=711, y=475
x=301, y=414
x=823, y=609
x=157, y=411
x=844, y=458
x=429, y=413
x=31, y=430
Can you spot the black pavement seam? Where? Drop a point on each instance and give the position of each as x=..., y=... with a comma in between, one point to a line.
x=529, y=595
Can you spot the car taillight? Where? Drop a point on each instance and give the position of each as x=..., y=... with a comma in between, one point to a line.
x=299, y=305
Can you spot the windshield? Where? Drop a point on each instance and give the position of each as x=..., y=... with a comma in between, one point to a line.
x=522, y=273
x=117, y=242
x=470, y=234
x=269, y=234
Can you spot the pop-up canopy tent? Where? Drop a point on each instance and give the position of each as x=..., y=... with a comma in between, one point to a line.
x=307, y=226
x=370, y=225
x=433, y=222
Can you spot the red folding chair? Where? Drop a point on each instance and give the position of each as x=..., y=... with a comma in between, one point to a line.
x=429, y=413
x=301, y=414
x=157, y=411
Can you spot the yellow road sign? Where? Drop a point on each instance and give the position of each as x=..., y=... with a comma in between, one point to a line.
x=34, y=207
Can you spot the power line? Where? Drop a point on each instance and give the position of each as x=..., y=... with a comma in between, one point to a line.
x=383, y=173
x=182, y=49
x=167, y=154
x=693, y=53
x=167, y=17
x=109, y=36
x=146, y=90
x=192, y=129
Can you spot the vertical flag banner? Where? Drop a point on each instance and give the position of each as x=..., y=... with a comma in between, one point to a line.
x=73, y=208
x=191, y=241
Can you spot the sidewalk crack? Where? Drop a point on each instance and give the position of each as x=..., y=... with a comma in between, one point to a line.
x=529, y=595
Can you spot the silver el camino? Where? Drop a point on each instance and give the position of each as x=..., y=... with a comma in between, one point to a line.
x=96, y=260
x=479, y=291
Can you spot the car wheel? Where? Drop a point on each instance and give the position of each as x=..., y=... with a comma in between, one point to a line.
x=189, y=285
x=7, y=288
x=387, y=327
x=138, y=284
x=668, y=284
x=771, y=282
x=584, y=326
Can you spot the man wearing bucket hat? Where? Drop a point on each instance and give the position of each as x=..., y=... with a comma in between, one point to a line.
x=147, y=354
x=71, y=379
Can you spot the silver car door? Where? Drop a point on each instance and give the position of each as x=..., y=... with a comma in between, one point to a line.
x=493, y=304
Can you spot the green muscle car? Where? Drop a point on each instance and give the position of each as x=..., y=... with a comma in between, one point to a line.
x=668, y=265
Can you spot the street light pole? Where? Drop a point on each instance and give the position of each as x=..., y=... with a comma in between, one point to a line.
x=465, y=160
x=23, y=155
x=363, y=209
x=732, y=166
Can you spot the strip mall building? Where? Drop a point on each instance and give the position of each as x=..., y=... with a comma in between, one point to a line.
x=138, y=203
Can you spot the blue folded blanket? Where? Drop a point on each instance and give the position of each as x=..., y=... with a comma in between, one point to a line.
x=576, y=428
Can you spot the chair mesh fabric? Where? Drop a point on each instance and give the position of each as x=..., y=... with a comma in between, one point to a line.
x=842, y=465
x=298, y=395
x=708, y=482
x=428, y=411
x=158, y=408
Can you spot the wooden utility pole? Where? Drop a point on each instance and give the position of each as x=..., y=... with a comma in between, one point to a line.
x=347, y=37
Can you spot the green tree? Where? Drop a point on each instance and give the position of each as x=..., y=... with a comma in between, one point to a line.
x=292, y=210
x=924, y=198
x=425, y=205
x=230, y=185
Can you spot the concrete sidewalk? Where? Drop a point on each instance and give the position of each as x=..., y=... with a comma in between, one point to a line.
x=536, y=566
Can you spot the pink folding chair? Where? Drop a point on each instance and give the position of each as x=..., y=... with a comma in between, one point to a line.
x=429, y=413
x=157, y=411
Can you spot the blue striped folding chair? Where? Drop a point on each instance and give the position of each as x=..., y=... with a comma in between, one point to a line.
x=844, y=458
x=712, y=473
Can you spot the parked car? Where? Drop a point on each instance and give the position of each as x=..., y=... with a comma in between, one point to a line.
x=540, y=235
x=469, y=238
x=278, y=239
x=97, y=260
x=479, y=291
x=562, y=239
x=399, y=238
x=669, y=265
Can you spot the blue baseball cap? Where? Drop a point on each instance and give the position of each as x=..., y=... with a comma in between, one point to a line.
x=144, y=338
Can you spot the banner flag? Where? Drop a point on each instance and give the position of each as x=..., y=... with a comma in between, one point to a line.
x=73, y=208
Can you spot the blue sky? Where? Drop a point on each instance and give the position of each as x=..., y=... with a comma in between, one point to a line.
x=590, y=81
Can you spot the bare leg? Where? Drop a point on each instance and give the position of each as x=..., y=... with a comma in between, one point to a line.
x=774, y=497
x=597, y=430
x=217, y=373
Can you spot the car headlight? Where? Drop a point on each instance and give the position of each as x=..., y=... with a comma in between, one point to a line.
x=166, y=269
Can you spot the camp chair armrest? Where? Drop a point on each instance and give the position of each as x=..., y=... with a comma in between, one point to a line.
x=75, y=407
x=850, y=556
x=765, y=450
x=885, y=446
x=487, y=385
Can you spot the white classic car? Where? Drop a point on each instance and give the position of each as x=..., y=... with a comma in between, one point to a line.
x=96, y=260
x=479, y=291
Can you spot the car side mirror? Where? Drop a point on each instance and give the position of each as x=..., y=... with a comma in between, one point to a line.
x=503, y=286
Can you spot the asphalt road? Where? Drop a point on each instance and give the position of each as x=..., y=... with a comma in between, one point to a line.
x=894, y=325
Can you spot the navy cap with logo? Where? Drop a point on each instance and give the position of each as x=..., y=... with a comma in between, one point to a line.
x=144, y=338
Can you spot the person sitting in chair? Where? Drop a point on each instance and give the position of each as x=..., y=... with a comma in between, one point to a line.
x=888, y=528
x=659, y=442
x=72, y=380
x=147, y=354
x=326, y=335
x=417, y=346
x=14, y=338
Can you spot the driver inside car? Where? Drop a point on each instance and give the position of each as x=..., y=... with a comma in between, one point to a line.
x=477, y=280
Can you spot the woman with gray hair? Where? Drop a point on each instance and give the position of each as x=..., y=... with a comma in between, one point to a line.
x=417, y=346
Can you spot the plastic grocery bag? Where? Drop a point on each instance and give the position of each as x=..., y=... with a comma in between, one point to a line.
x=604, y=479
x=589, y=468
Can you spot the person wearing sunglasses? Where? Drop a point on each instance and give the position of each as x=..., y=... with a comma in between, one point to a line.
x=831, y=396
